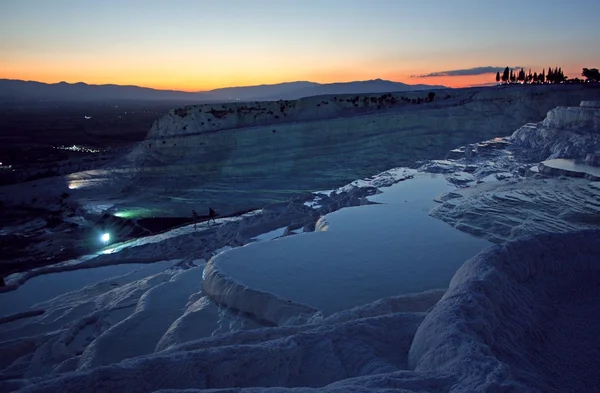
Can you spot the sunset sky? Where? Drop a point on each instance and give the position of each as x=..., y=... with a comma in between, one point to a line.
x=205, y=44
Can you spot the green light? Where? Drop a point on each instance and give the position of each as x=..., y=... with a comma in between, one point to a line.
x=124, y=214
x=136, y=213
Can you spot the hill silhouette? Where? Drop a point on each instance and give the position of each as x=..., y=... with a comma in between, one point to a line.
x=18, y=90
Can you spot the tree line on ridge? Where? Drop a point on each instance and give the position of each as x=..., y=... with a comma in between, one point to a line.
x=552, y=75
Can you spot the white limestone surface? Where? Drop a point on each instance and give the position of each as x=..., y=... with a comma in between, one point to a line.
x=520, y=316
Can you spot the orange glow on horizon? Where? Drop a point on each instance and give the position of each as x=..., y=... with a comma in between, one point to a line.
x=189, y=86
x=193, y=81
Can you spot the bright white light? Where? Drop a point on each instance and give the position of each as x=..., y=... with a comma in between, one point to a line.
x=105, y=237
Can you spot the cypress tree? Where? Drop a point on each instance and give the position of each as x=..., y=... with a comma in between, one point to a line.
x=505, y=75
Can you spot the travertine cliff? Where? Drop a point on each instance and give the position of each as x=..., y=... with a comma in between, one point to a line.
x=566, y=132
x=248, y=154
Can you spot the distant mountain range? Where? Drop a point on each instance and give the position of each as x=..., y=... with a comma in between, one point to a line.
x=295, y=90
x=18, y=90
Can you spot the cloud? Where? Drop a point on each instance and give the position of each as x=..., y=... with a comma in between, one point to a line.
x=464, y=72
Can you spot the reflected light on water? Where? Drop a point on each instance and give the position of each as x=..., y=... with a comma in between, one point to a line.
x=74, y=185
x=109, y=251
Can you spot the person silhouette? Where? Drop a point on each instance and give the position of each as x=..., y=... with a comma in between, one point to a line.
x=211, y=215
x=195, y=217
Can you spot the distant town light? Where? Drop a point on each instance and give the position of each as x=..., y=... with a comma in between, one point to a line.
x=78, y=148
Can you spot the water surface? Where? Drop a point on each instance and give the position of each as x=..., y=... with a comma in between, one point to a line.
x=48, y=286
x=364, y=254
